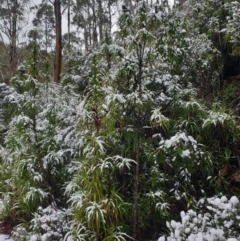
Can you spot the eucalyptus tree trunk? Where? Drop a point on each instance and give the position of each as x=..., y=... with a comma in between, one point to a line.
x=86, y=39
x=13, y=40
x=109, y=16
x=46, y=37
x=89, y=31
x=69, y=23
x=100, y=19
x=95, y=35
x=58, y=48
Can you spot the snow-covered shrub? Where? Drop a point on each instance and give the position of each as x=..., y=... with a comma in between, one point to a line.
x=37, y=156
x=232, y=30
x=47, y=224
x=140, y=110
x=5, y=110
x=135, y=148
x=215, y=219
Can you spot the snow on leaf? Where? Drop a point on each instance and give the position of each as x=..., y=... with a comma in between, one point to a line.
x=122, y=162
x=35, y=193
x=105, y=164
x=158, y=119
x=216, y=118
x=76, y=199
x=95, y=211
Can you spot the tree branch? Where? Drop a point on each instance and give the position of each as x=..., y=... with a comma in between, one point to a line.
x=51, y=2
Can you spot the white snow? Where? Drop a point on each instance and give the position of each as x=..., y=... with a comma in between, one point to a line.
x=206, y=226
x=234, y=201
x=185, y=153
x=4, y=237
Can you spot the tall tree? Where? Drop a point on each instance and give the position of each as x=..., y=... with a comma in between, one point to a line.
x=100, y=19
x=44, y=24
x=58, y=48
x=11, y=26
x=57, y=68
x=94, y=18
x=69, y=20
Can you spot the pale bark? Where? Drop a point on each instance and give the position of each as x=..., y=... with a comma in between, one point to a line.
x=100, y=19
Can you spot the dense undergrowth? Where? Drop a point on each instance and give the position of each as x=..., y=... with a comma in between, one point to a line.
x=141, y=129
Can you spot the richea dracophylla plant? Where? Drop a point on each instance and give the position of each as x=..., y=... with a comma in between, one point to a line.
x=231, y=30
x=143, y=131
x=127, y=154
x=105, y=190
x=215, y=218
x=38, y=151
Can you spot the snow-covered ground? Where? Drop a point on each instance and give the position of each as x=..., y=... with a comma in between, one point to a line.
x=4, y=237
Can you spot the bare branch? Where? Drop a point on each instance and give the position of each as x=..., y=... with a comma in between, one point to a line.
x=51, y=2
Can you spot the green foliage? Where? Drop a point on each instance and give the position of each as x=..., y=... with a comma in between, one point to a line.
x=131, y=137
x=37, y=153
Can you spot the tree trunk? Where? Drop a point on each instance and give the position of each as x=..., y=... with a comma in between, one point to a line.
x=109, y=16
x=100, y=19
x=136, y=183
x=86, y=40
x=140, y=53
x=46, y=37
x=13, y=40
x=58, y=48
x=69, y=23
x=95, y=35
x=89, y=31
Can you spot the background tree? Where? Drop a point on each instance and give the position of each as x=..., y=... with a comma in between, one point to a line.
x=58, y=43
x=4, y=62
x=45, y=24
x=11, y=26
x=94, y=18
